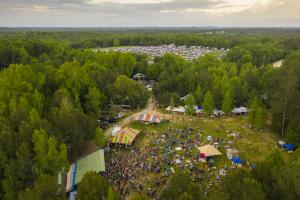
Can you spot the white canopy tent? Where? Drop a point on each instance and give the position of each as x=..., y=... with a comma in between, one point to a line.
x=209, y=150
x=115, y=131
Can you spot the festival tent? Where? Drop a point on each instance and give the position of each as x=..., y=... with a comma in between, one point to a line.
x=93, y=162
x=209, y=150
x=149, y=118
x=198, y=109
x=239, y=111
x=115, y=131
x=168, y=108
x=179, y=109
x=217, y=113
x=280, y=143
x=289, y=147
x=125, y=136
x=237, y=160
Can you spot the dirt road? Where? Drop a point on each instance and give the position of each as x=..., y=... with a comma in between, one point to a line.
x=150, y=108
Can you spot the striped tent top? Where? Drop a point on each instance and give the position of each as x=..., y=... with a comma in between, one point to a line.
x=150, y=118
x=125, y=136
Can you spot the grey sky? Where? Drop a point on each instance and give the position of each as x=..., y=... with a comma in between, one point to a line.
x=105, y=13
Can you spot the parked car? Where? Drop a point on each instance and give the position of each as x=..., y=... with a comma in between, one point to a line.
x=120, y=115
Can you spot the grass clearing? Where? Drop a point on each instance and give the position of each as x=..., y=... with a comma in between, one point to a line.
x=253, y=145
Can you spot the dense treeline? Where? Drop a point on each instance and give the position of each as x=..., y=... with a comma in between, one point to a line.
x=255, y=44
x=274, y=178
x=49, y=106
x=177, y=77
x=52, y=92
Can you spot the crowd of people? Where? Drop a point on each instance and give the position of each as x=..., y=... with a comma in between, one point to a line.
x=129, y=167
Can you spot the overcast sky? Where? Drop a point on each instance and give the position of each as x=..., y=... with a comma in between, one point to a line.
x=134, y=13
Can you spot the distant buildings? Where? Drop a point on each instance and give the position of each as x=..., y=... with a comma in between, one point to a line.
x=188, y=53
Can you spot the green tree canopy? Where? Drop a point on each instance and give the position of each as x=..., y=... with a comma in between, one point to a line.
x=190, y=104
x=128, y=91
x=199, y=94
x=45, y=187
x=227, y=103
x=181, y=183
x=100, y=138
x=49, y=155
x=208, y=104
x=92, y=187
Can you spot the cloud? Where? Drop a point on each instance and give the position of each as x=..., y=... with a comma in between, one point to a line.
x=167, y=11
x=128, y=1
x=149, y=12
x=35, y=8
x=275, y=11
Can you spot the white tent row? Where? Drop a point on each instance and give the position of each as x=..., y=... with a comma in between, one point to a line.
x=198, y=110
x=182, y=109
x=217, y=112
x=179, y=109
x=240, y=110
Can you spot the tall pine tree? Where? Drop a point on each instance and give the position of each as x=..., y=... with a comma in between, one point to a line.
x=227, y=103
x=209, y=103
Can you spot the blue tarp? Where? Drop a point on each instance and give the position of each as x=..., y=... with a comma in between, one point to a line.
x=74, y=175
x=289, y=147
x=199, y=107
x=237, y=160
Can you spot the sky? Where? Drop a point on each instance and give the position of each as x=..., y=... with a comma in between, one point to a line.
x=149, y=13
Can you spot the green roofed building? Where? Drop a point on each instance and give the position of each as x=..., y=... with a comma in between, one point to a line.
x=93, y=162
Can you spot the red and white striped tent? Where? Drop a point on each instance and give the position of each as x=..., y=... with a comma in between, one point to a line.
x=149, y=118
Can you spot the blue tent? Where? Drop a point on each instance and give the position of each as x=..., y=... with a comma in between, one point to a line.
x=237, y=160
x=289, y=147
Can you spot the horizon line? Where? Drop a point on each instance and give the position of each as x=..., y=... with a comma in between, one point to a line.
x=94, y=27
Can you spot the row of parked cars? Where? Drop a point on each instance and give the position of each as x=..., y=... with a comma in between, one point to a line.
x=106, y=121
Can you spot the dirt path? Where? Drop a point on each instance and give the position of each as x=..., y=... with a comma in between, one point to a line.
x=150, y=108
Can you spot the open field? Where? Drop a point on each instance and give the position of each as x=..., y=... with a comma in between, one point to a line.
x=157, y=144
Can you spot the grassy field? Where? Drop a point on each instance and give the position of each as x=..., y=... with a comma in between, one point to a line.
x=253, y=145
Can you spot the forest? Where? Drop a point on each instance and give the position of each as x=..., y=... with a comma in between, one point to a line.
x=54, y=87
